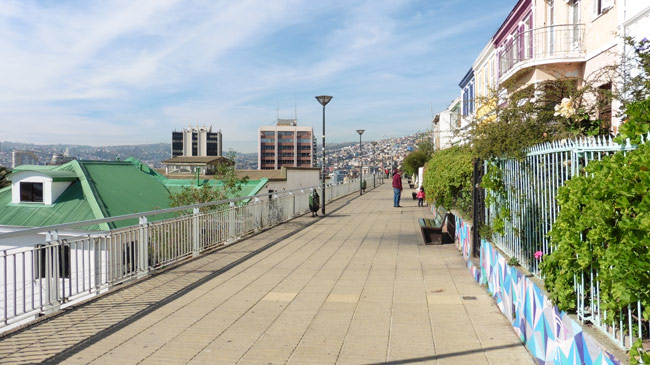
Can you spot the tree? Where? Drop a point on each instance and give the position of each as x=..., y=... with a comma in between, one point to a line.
x=413, y=161
x=426, y=146
x=230, y=187
x=3, y=177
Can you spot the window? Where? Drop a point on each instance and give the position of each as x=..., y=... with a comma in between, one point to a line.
x=528, y=26
x=40, y=258
x=601, y=6
x=31, y=192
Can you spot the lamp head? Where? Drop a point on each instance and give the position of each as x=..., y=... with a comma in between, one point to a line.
x=360, y=131
x=324, y=99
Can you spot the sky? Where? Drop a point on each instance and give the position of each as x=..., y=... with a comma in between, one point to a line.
x=129, y=72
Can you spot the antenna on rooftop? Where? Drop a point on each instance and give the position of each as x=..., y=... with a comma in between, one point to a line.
x=278, y=110
x=295, y=110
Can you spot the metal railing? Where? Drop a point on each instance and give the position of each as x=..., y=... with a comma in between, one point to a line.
x=60, y=266
x=531, y=186
x=539, y=44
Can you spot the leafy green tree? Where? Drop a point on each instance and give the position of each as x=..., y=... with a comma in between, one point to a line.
x=231, y=186
x=414, y=161
x=547, y=111
x=3, y=177
x=426, y=146
x=636, y=98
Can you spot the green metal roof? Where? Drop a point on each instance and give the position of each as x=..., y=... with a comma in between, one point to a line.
x=71, y=206
x=103, y=189
x=119, y=188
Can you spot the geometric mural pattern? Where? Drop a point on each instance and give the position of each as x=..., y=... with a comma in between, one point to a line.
x=550, y=335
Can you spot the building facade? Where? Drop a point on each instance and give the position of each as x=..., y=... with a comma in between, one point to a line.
x=446, y=126
x=19, y=158
x=285, y=144
x=544, y=40
x=197, y=141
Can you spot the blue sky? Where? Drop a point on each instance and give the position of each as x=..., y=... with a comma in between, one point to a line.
x=128, y=72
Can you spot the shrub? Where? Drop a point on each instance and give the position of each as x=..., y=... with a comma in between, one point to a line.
x=448, y=179
x=603, y=225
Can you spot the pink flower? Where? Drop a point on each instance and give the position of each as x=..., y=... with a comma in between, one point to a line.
x=538, y=255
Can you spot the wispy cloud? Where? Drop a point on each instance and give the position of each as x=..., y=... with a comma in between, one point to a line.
x=127, y=72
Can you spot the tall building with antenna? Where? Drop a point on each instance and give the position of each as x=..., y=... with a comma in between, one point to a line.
x=285, y=144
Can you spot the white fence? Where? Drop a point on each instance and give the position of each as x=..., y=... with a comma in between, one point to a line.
x=58, y=271
x=531, y=187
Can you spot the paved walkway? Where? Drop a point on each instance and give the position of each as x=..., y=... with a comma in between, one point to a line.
x=355, y=287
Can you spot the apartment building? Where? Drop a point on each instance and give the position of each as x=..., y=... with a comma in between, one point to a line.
x=553, y=39
x=286, y=144
x=543, y=40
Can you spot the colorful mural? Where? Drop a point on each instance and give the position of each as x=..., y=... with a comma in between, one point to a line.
x=463, y=237
x=551, y=336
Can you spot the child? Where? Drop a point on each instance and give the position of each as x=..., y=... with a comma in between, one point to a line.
x=420, y=197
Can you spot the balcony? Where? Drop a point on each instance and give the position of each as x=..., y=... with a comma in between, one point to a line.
x=552, y=44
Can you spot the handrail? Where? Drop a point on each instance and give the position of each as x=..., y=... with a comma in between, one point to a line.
x=58, y=227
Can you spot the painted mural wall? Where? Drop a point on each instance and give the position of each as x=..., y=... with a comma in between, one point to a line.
x=550, y=335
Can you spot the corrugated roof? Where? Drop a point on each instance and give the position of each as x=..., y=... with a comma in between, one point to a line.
x=263, y=174
x=197, y=159
x=121, y=188
x=71, y=206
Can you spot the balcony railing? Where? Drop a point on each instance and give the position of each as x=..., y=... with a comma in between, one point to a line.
x=538, y=45
x=57, y=271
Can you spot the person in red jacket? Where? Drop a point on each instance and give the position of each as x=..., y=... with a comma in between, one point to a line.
x=397, y=188
x=421, y=197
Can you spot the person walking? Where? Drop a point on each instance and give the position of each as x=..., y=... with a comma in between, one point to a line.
x=397, y=188
x=420, y=197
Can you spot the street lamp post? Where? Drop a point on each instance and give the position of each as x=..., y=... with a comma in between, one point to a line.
x=323, y=100
x=360, y=131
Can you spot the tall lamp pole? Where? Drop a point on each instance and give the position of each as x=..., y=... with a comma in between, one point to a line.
x=360, y=131
x=323, y=100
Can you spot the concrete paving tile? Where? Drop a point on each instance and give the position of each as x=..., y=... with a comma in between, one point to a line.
x=280, y=297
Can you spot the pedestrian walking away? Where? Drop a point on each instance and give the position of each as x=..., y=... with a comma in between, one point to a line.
x=397, y=188
x=420, y=197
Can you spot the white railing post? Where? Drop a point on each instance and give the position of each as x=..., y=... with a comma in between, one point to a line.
x=258, y=212
x=143, y=247
x=195, y=232
x=231, y=223
x=51, y=272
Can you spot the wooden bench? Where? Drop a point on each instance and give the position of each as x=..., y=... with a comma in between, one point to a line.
x=441, y=229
